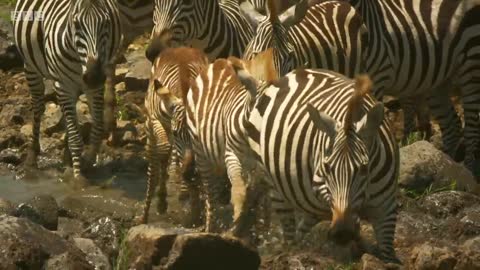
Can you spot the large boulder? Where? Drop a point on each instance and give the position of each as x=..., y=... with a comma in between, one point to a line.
x=52, y=119
x=423, y=166
x=148, y=246
x=27, y=245
x=42, y=209
x=94, y=254
x=6, y=207
x=429, y=256
x=139, y=71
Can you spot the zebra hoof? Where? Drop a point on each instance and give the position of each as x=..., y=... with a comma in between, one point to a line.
x=31, y=160
x=80, y=182
x=162, y=208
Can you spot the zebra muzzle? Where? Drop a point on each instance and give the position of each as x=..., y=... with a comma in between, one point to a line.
x=94, y=76
x=344, y=228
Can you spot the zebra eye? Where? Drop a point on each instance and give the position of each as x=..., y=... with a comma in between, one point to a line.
x=363, y=170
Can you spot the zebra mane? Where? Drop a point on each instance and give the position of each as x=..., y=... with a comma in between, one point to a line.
x=261, y=66
x=363, y=86
x=272, y=11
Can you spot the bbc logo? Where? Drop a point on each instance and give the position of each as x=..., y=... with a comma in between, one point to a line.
x=26, y=16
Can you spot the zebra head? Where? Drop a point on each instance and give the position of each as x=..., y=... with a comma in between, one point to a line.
x=92, y=24
x=272, y=32
x=342, y=174
x=171, y=18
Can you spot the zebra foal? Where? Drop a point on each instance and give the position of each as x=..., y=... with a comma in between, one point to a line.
x=73, y=45
x=329, y=152
x=172, y=74
x=215, y=109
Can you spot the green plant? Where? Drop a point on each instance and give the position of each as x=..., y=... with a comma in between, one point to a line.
x=430, y=190
x=347, y=266
x=122, y=112
x=8, y=2
x=412, y=138
x=121, y=261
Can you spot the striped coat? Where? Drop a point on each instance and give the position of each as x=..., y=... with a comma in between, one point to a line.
x=329, y=152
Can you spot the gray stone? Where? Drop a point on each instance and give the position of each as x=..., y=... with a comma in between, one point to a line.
x=106, y=233
x=26, y=130
x=210, y=251
x=67, y=261
x=10, y=138
x=369, y=262
x=11, y=156
x=139, y=71
x=95, y=255
x=422, y=165
x=146, y=245
x=52, y=119
x=12, y=114
x=42, y=209
x=69, y=227
x=429, y=256
x=28, y=245
x=447, y=203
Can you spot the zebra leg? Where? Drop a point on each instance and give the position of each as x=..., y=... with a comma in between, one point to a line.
x=95, y=102
x=471, y=110
x=110, y=99
x=286, y=214
x=68, y=102
x=443, y=111
x=383, y=219
x=37, y=91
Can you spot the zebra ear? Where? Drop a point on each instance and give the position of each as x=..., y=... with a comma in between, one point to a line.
x=253, y=16
x=322, y=121
x=294, y=14
x=370, y=123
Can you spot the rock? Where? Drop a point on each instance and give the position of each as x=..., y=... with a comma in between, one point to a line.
x=6, y=207
x=12, y=114
x=95, y=256
x=85, y=120
x=10, y=58
x=210, y=251
x=69, y=227
x=42, y=209
x=52, y=119
x=26, y=130
x=471, y=255
x=139, y=71
x=427, y=257
x=369, y=262
x=422, y=165
x=11, y=156
x=145, y=245
x=67, y=261
x=106, y=233
x=469, y=224
x=447, y=203
x=10, y=138
x=28, y=245
x=120, y=88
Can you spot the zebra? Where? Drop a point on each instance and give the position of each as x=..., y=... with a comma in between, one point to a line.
x=215, y=27
x=427, y=48
x=327, y=35
x=172, y=72
x=136, y=18
x=214, y=115
x=329, y=152
x=72, y=43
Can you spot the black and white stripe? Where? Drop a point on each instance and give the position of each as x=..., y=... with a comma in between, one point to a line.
x=329, y=152
x=73, y=45
x=328, y=35
x=419, y=47
x=172, y=72
x=215, y=27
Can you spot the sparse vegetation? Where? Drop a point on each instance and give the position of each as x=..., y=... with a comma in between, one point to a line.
x=412, y=138
x=122, y=113
x=430, y=190
x=8, y=2
x=121, y=261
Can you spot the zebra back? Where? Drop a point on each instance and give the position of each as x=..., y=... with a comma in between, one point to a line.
x=311, y=34
x=215, y=27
